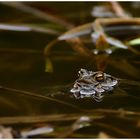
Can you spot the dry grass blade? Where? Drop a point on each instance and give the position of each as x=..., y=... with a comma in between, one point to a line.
x=37, y=131
x=111, y=111
x=133, y=50
x=94, y=114
x=48, y=65
x=8, y=103
x=81, y=122
x=111, y=21
x=47, y=52
x=77, y=46
x=124, y=66
x=48, y=47
x=119, y=11
x=38, y=13
x=35, y=95
x=21, y=50
x=76, y=32
x=116, y=43
x=115, y=129
x=43, y=118
x=14, y=91
x=103, y=135
x=98, y=25
x=27, y=28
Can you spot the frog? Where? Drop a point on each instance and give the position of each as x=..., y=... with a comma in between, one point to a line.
x=93, y=84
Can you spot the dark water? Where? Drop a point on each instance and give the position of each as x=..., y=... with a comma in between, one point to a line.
x=26, y=71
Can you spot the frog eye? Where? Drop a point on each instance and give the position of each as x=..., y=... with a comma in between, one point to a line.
x=99, y=76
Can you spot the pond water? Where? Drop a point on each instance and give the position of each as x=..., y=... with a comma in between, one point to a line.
x=22, y=67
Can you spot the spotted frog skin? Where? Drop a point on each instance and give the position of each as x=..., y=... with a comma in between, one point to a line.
x=93, y=84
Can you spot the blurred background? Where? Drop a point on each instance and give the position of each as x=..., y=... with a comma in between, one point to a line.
x=26, y=30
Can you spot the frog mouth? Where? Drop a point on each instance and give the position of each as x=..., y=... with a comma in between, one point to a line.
x=93, y=84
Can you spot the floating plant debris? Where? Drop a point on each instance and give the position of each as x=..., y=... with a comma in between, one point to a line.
x=93, y=84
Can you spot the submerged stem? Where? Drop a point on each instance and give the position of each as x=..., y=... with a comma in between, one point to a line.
x=41, y=96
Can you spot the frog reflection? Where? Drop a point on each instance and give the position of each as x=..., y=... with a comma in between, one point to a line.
x=93, y=84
